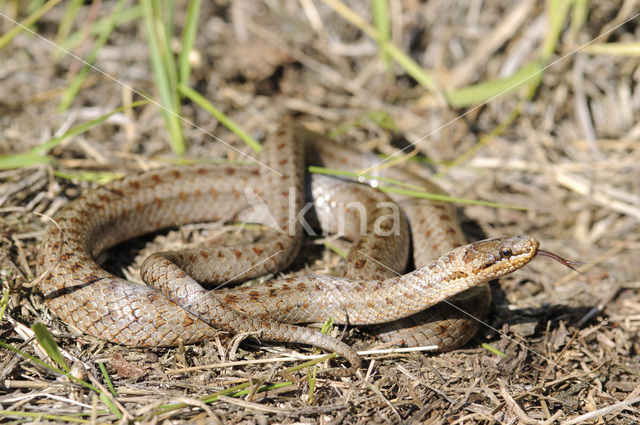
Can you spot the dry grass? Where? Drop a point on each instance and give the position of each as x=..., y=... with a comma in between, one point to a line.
x=571, y=156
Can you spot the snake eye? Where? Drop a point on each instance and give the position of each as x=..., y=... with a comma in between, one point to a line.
x=505, y=252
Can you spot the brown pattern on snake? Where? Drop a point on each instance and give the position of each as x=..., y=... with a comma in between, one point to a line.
x=176, y=308
x=434, y=231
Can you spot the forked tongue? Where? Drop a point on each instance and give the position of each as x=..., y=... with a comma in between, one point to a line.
x=560, y=260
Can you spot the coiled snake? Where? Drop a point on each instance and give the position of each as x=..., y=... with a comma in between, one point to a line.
x=405, y=308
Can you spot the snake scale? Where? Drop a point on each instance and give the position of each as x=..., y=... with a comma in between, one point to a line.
x=403, y=308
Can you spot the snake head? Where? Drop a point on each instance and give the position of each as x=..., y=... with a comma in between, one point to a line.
x=493, y=258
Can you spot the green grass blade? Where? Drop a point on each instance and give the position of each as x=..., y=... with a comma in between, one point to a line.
x=46, y=341
x=107, y=379
x=100, y=177
x=72, y=90
x=409, y=65
x=480, y=93
x=214, y=397
x=198, y=99
x=380, y=9
x=21, y=160
x=156, y=34
x=121, y=18
x=484, y=140
x=112, y=407
x=234, y=391
x=263, y=388
x=413, y=191
x=629, y=49
x=82, y=128
x=47, y=366
x=166, y=8
x=39, y=362
x=357, y=176
x=38, y=417
x=165, y=34
x=444, y=198
x=412, y=67
x=341, y=252
x=328, y=325
x=492, y=349
x=579, y=15
x=557, y=11
x=66, y=24
x=188, y=39
x=312, y=362
x=30, y=20
x=313, y=371
x=34, y=155
x=382, y=119
x=4, y=302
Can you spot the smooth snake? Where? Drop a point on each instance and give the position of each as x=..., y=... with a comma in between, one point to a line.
x=405, y=308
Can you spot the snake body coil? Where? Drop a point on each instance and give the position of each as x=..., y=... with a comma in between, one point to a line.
x=405, y=308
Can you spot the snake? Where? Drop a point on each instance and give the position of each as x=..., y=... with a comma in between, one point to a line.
x=437, y=303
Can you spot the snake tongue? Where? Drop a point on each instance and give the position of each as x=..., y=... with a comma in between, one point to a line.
x=559, y=259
